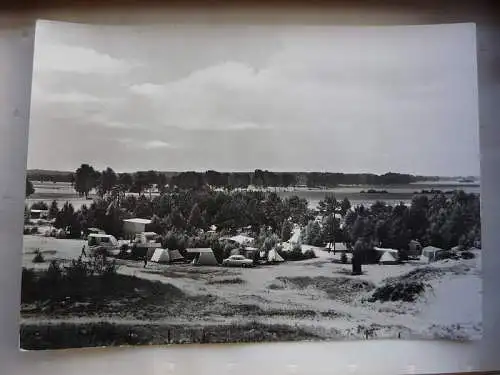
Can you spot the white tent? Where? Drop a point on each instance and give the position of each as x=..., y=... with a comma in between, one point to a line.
x=241, y=239
x=175, y=255
x=388, y=258
x=204, y=257
x=273, y=256
x=235, y=252
x=160, y=256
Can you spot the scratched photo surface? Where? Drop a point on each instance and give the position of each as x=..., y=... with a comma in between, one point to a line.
x=251, y=183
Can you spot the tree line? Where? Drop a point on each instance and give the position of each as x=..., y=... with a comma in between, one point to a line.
x=86, y=179
x=441, y=220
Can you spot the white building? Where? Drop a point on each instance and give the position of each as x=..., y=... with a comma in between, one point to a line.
x=131, y=227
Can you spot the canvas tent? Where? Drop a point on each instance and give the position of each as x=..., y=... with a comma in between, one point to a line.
x=175, y=256
x=235, y=252
x=273, y=256
x=430, y=253
x=388, y=258
x=241, y=239
x=166, y=256
x=160, y=256
x=204, y=257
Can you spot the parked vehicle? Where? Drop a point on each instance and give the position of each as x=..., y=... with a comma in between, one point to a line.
x=148, y=240
x=237, y=261
x=106, y=243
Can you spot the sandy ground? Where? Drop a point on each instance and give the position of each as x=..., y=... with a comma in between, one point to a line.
x=450, y=308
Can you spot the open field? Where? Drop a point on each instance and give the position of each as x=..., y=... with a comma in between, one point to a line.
x=314, y=299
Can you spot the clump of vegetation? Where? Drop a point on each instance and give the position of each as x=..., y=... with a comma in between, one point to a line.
x=407, y=291
x=342, y=288
x=296, y=253
x=38, y=258
x=467, y=255
x=406, y=288
x=343, y=257
x=34, y=230
x=93, y=282
x=235, y=280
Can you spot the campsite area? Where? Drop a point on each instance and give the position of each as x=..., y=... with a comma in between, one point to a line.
x=314, y=299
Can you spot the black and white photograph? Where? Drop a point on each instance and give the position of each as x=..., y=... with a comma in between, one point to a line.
x=241, y=184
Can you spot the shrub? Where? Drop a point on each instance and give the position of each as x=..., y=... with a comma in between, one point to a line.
x=343, y=257
x=38, y=258
x=309, y=254
x=138, y=252
x=398, y=291
x=467, y=255
x=34, y=230
x=236, y=280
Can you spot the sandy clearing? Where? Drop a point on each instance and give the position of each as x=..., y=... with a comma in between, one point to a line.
x=440, y=312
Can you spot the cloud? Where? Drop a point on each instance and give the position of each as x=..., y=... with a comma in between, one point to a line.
x=353, y=99
x=157, y=144
x=146, y=145
x=76, y=59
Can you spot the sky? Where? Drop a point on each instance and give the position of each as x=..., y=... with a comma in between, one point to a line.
x=239, y=98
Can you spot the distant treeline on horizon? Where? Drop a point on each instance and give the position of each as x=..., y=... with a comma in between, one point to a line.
x=261, y=178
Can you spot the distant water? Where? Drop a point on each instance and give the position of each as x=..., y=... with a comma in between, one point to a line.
x=395, y=194
x=62, y=192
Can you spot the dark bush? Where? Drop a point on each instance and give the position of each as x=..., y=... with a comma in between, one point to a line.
x=309, y=254
x=343, y=257
x=38, y=258
x=399, y=291
x=467, y=255
x=297, y=254
x=138, y=253
x=34, y=230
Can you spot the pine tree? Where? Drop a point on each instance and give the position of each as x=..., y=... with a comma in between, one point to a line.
x=286, y=230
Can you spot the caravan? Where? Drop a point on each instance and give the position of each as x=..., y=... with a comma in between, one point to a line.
x=103, y=243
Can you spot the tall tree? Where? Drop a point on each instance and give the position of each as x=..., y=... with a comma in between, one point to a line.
x=331, y=230
x=125, y=182
x=345, y=206
x=286, y=230
x=195, y=219
x=30, y=190
x=53, y=210
x=85, y=179
x=107, y=181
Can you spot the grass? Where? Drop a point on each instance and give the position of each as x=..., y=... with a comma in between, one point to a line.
x=341, y=288
x=188, y=272
x=79, y=292
x=235, y=280
x=73, y=335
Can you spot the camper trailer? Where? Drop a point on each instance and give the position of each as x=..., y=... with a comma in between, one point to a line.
x=147, y=239
x=107, y=243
